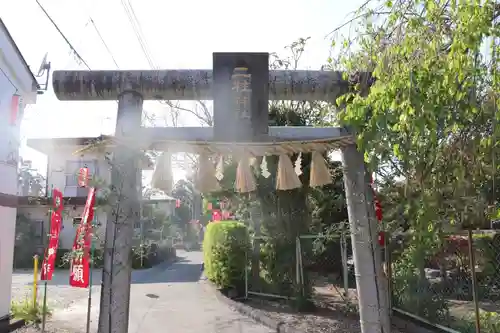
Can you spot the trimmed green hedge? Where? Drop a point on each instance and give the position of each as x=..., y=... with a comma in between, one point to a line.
x=224, y=250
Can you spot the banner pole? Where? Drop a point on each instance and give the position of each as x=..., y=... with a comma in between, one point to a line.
x=44, y=306
x=89, y=302
x=35, y=280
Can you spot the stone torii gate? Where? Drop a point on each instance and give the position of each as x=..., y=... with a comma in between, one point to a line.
x=243, y=131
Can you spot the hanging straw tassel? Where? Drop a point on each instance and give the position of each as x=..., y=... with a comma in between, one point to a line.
x=206, y=181
x=320, y=174
x=287, y=179
x=162, y=176
x=219, y=169
x=245, y=180
x=298, y=165
x=263, y=168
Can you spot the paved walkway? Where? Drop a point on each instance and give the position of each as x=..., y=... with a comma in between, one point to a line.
x=173, y=299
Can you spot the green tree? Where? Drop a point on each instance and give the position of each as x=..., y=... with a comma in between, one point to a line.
x=31, y=182
x=430, y=116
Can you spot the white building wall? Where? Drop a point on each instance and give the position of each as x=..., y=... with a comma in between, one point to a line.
x=14, y=79
x=56, y=174
x=57, y=177
x=68, y=231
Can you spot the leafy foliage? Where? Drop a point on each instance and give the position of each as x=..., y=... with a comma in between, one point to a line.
x=28, y=311
x=224, y=249
x=427, y=121
x=26, y=244
x=30, y=181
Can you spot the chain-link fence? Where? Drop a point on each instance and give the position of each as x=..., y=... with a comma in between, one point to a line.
x=453, y=285
x=265, y=275
x=327, y=263
x=321, y=263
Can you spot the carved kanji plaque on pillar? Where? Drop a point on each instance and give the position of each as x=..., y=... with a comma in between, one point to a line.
x=241, y=94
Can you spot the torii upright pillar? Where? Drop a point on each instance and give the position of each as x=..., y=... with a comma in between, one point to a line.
x=132, y=87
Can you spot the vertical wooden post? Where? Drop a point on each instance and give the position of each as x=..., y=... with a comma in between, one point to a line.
x=373, y=311
x=475, y=298
x=124, y=211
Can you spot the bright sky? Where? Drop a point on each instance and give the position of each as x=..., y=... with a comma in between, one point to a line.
x=180, y=34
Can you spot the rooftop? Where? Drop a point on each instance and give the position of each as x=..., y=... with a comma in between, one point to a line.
x=75, y=201
x=49, y=146
x=36, y=86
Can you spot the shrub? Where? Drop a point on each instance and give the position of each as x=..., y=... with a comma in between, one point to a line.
x=414, y=293
x=144, y=256
x=224, y=249
x=488, y=321
x=29, y=312
x=149, y=255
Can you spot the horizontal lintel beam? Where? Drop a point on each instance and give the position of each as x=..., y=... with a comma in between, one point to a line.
x=190, y=84
x=276, y=134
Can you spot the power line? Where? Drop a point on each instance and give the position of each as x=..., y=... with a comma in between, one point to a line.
x=137, y=31
x=141, y=33
x=62, y=35
x=104, y=42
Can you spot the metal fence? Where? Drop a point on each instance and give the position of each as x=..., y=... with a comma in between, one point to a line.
x=456, y=287
x=323, y=261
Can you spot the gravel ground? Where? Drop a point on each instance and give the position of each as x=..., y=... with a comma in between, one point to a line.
x=59, y=293
x=323, y=320
x=48, y=329
x=171, y=297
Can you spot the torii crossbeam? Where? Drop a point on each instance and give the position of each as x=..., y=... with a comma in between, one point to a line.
x=247, y=76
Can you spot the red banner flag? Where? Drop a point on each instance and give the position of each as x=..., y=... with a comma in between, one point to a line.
x=80, y=263
x=14, y=109
x=49, y=258
x=177, y=203
x=83, y=177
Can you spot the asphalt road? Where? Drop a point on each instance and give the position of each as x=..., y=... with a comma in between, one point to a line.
x=173, y=298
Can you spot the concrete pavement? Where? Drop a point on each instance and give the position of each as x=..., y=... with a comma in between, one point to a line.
x=171, y=299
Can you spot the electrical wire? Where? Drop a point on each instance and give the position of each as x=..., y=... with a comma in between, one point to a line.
x=104, y=43
x=80, y=33
x=141, y=33
x=62, y=35
x=80, y=58
x=137, y=32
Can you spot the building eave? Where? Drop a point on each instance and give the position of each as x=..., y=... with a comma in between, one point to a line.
x=47, y=145
x=35, y=85
x=32, y=201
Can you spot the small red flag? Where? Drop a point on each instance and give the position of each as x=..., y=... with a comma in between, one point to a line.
x=57, y=200
x=177, y=203
x=216, y=215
